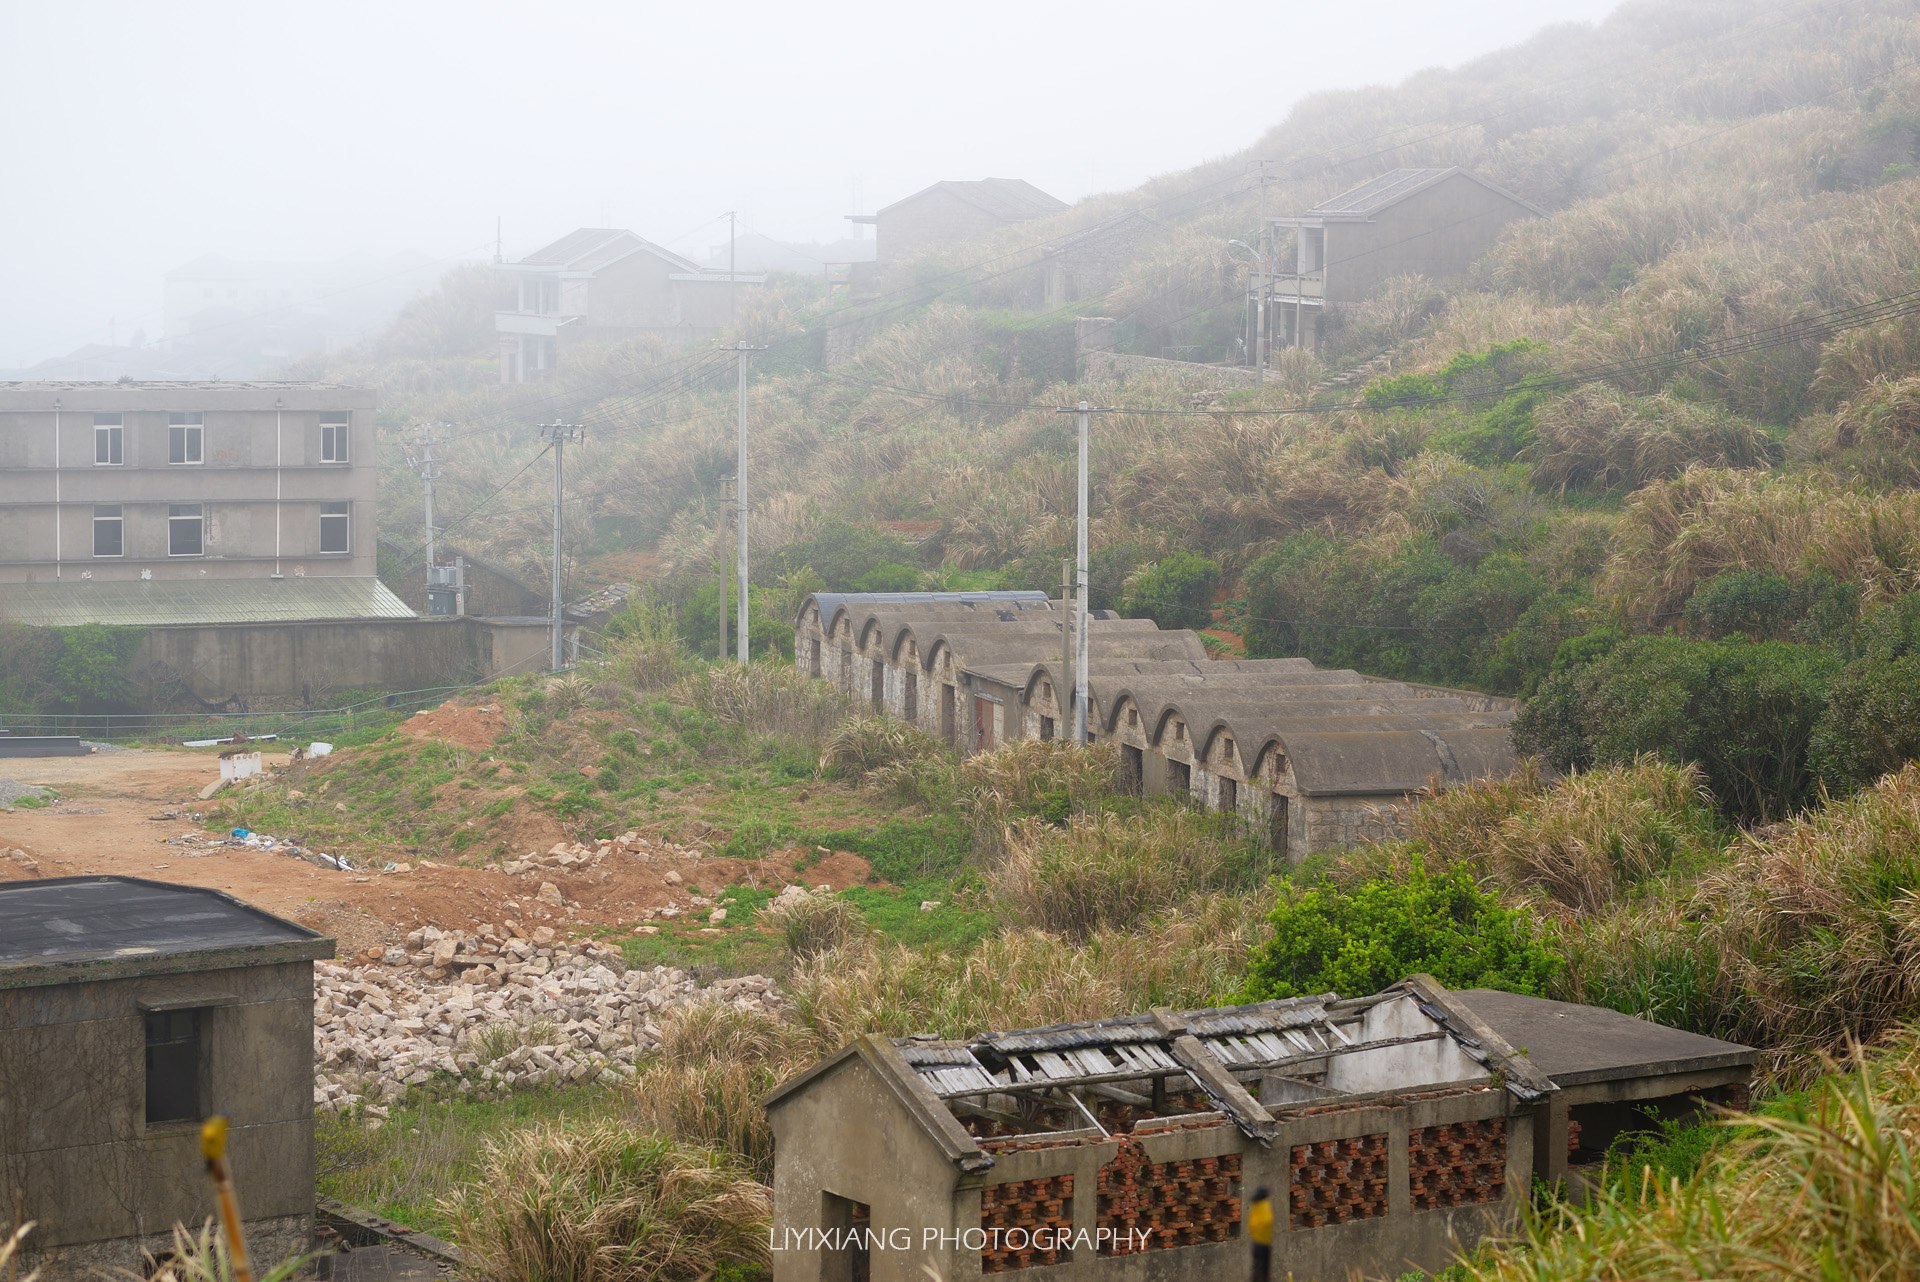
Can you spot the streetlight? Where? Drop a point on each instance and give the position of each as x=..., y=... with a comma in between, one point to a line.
x=1260, y=315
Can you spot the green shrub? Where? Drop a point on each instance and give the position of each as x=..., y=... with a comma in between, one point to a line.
x=1744, y=712
x=92, y=668
x=1357, y=940
x=890, y=577
x=840, y=552
x=1175, y=592
x=1764, y=606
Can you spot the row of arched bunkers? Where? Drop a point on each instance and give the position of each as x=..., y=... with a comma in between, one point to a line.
x=1311, y=758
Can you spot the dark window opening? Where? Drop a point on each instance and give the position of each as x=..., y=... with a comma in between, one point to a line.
x=813, y=657
x=879, y=686
x=1179, y=776
x=911, y=708
x=1229, y=796
x=949, y=698
x=1046, y=727
x=851, y=1225
x=333, y=440
x=1134, y=767
x=1277, y=824
x=186, y=530
x=109, y=531
x=334, y=522
x=173, y=1066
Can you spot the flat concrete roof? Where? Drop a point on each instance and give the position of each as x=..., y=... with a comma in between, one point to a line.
x=78, y=928
x=1578, y=1044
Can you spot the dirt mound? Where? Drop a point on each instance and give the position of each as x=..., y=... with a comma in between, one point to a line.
x=470, y=726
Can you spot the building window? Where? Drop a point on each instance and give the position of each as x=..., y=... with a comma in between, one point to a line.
x=173, y=1066
x=333, y=527
x=109, y=531
x=186, y=529
x=183, y=438
x=333, y=438
x=107, y=440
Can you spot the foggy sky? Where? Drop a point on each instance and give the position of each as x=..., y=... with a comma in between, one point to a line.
x=140, y=136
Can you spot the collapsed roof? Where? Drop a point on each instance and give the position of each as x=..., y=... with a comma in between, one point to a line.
x=1219, y=1064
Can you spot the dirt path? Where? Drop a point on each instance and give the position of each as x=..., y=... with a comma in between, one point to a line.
x=116, y=812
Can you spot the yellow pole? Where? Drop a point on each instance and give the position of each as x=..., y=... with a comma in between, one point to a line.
x=213, y=1146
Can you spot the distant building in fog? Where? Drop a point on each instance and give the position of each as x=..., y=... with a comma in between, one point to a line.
x=954, y=211
x=1434, y=222
x=602, y=285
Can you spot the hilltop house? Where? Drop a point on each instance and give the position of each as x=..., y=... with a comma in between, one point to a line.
x=1434, y=222
x=602, y=285
x=1394, y=1130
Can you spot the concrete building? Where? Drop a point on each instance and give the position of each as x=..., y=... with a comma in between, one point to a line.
x=1314, y=759
x=1434, y=222
x=1394, y=1131
x=909, y=654
x=602, y=285
x=130, y=1011
x=1311, y=759
x=169, y=482
x=948, y=212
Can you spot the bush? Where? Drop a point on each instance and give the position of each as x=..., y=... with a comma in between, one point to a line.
x=891, y=577
x=1872, y=723
x=1175, y=592
x=810, y=923
x=1600, y=438
x=1762, y=605
x=1109, y=871
x=840, y=553
x=715, y=1063
x=606, y=1202
x=1744, y=712
x=1357, y=940
x=92, y=667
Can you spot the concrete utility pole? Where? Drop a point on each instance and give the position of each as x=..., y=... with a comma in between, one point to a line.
x=424, y=464
x=1066, y=633
x=1084, y=412
x=1259, y=313
x=720, y=565
x=740, y=491
x=559, y=434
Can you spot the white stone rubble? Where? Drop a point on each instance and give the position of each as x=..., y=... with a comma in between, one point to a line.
x=491, y=1011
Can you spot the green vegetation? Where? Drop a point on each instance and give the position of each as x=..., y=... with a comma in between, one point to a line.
x=1358, y=940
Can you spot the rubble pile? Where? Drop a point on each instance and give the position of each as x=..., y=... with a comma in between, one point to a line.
x=493, y=1011
x=576, y=858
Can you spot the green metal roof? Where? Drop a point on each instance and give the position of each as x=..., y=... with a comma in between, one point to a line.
x=151, y=602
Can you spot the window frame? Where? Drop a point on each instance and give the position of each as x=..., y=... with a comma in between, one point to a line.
x=343, y=513
x=119, y=522
x=188, y=1060
x=113, y=435
x=335, y=437
x=188, y=429
x=175, y=515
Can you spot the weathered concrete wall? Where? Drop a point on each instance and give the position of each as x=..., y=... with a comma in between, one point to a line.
x=1438, y=233
x=76, y=1152
x=310, y=660
x=1093, y=336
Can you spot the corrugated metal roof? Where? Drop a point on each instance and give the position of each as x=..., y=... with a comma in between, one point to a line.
x=151, y=602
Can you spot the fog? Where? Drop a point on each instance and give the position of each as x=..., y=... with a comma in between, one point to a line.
x=142, y=136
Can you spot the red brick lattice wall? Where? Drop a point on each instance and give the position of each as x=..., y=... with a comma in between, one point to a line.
x=1174, y=1203
x=1041, y=1207
x=1335, y=1181
x=1457, y=1164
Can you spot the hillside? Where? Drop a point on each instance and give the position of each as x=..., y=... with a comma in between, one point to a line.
x=1654, y=466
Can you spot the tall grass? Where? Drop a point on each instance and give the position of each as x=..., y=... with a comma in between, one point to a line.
x=1826, y=1191
x=1599, y=438
x=714, y=1064
x=1108, y=871
x=604, y=1203
x=767, y=696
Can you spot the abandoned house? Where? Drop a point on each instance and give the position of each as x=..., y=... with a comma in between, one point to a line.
x=173, y=482
x=1393, y=1130
x=130, y=1011
x=601, y=285
x=1312, y=759
x=946, y=214
x=1432, y=222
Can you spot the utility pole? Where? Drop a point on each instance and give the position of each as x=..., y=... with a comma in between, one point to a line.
x=424, y=464
x=1083, y=412
x=733, y=286
x=559, y=434
x=1066, y=633
x=720, y=564
x=740, y=492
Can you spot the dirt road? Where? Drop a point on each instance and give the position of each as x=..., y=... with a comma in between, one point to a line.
x=113, y=812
